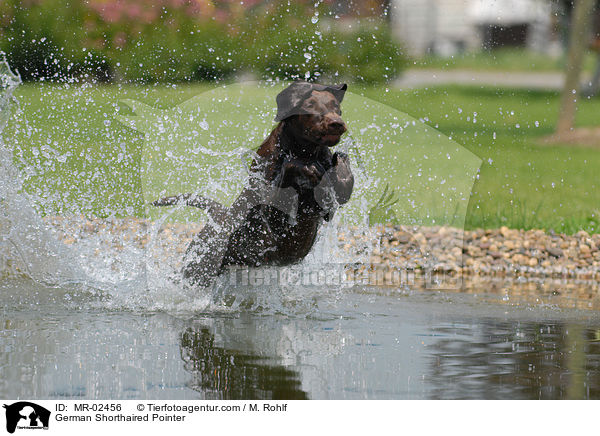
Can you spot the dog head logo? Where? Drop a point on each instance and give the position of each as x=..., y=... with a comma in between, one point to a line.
x=26, y=415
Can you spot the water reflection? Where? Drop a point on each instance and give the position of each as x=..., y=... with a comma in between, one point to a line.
x=363, y=346
x=500, y=360
x=230, y=374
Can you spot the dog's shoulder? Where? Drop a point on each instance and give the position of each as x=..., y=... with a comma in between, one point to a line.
x=269, y=147
x=268, y=155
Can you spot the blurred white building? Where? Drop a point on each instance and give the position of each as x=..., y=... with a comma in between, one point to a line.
x=446, y=27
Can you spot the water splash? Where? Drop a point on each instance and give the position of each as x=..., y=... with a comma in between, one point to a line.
x=26, y=246
x=204, y=145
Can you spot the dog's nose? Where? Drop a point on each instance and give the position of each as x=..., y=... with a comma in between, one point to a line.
x=336, y=125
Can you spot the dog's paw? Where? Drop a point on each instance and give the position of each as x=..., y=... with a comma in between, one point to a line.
x=341, y=163
x=301, y=176
x=313, y=174
x=340, y=159
x=343, y=179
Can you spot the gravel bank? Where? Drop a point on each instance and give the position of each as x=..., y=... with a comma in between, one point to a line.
x=534, y=266
x=499, y=252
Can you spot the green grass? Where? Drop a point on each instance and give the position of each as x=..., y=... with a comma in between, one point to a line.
x=100, y=177
x=504, y=59
x=521, y=184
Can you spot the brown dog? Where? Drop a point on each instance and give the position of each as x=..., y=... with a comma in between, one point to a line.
x=296, y=183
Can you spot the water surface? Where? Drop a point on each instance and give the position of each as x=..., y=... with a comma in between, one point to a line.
x=360, y=343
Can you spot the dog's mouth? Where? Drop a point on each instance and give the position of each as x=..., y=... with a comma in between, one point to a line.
x=330, y=139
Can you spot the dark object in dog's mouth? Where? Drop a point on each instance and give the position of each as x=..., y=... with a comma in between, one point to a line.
x=330, y=140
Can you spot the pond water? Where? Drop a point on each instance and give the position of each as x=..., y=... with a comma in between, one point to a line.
x=359, y=343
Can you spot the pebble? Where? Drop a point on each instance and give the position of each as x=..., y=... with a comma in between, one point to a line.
x=554, y=251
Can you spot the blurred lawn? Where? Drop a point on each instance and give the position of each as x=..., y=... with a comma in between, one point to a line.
x=502, y=59
x=521, y=184
x=101, y=175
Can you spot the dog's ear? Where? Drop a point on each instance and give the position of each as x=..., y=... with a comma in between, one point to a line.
x=338, y=91
x=291, y=98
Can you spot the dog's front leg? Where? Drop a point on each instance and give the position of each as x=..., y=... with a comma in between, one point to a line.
x=299, y=175
x=336, y=186
x=341, y=177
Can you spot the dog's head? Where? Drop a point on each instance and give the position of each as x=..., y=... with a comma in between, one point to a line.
x=313, y=112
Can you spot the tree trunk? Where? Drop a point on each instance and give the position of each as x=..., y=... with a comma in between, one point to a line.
x=578, y=42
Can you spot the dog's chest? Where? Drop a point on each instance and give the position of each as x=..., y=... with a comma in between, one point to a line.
x=293, y=241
